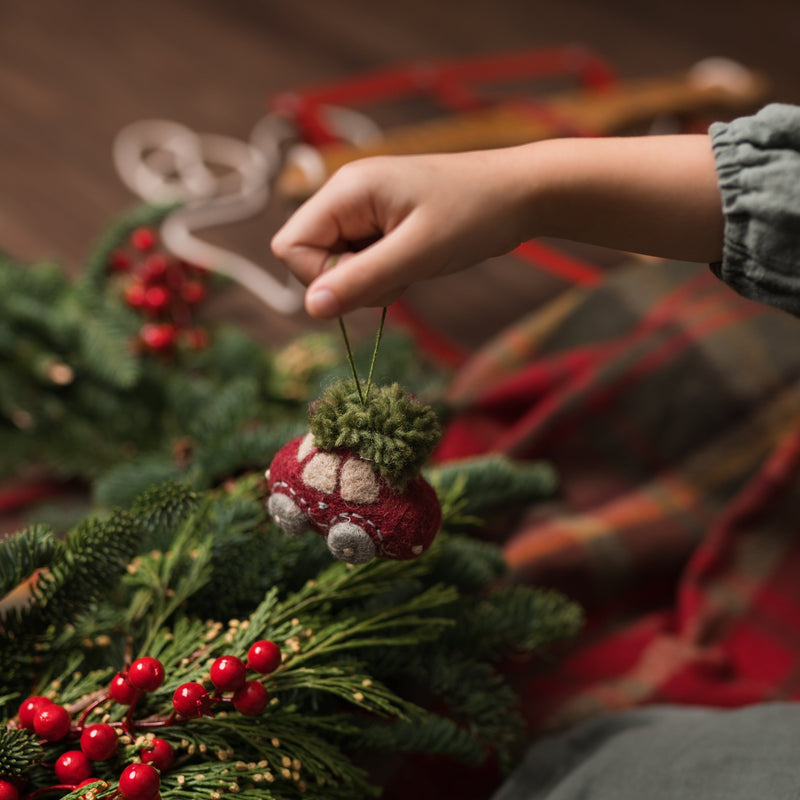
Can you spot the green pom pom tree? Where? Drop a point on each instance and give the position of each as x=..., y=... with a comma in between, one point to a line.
x=393, y=430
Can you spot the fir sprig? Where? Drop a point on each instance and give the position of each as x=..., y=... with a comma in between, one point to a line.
x=477, y=487
x=18, y=749
x=163, y=580
x=22, y=554
x=93, y=557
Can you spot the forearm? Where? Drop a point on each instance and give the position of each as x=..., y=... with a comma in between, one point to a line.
x=656, y=195
x=430, y=215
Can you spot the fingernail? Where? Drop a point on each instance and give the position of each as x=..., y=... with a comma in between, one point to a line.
x=322, y=303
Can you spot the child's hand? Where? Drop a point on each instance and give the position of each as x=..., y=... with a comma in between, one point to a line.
x=392, y=221
x=387, y=222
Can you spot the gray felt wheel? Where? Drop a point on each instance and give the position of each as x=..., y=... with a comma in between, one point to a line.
x=349, y=542
x=287, y=514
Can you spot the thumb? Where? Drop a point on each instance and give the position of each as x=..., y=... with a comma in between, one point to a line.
x=374, y=276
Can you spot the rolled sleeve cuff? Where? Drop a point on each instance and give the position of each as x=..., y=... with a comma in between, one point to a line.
x=758, y=164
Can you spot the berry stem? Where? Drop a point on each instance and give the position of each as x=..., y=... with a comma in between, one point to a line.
x=164, y=722
x=130, y=726
x=45, y=790
x=79, y=726
x=128, y=723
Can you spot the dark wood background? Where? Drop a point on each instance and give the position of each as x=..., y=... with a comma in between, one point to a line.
x=73, y=73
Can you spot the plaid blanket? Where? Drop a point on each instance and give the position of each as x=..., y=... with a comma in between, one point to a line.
x=670, y=406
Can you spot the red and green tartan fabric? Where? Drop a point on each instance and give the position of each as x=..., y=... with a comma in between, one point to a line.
x=670, y=406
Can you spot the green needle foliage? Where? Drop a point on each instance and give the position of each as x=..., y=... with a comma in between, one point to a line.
x=367, y=650
x=79, y=398
x=177, y=559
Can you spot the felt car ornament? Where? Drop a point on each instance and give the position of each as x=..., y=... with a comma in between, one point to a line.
x=355, y=479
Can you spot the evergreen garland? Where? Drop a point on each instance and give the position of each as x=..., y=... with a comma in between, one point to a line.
x=179, y=561
x=355, y=639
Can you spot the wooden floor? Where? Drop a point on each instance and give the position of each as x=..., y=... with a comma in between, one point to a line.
x=73, y=73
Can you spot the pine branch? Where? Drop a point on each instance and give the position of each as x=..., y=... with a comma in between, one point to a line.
x=488, y=483
x=470, y=564
x=160, y=509
x=162, y=581
x=94, y=556
x=427, y=734
x=516, y=620
x=251, y=446
x=123, y=483
x=105, y=348
x=21, y=555
x=228, y=409
x=18, y=750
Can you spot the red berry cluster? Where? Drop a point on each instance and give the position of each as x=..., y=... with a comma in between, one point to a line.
x=99, y=742
x=228, y=674
x=53, y=723
x=164, y=289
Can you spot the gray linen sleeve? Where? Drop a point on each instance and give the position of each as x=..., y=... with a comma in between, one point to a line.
x=758, y=164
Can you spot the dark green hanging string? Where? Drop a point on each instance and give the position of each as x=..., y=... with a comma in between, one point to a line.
x=363, y=396
x=350, y=360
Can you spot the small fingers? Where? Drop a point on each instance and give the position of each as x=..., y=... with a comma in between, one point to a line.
x=322, y=303
x=305, y=261
x=374, y=276
x=338, y=218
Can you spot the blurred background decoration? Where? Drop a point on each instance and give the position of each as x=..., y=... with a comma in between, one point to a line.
x=72, y=76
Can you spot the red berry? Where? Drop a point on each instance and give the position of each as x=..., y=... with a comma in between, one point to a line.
x=146, y=674
x=154, y=268
x=158, y=336
x=51, y=722
x=228, y=673
x=143, y=239
x=8, y=791
x=264, y=656
x=73, y=767
x=121, y=690
x=190, y=700
x=193, y=292
x=251, y=699
x=159, y=753
x=136, y=294
x=99, y=741
x=29, y=707
x=138, y=782
x=119, y=261
x=156, y=299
